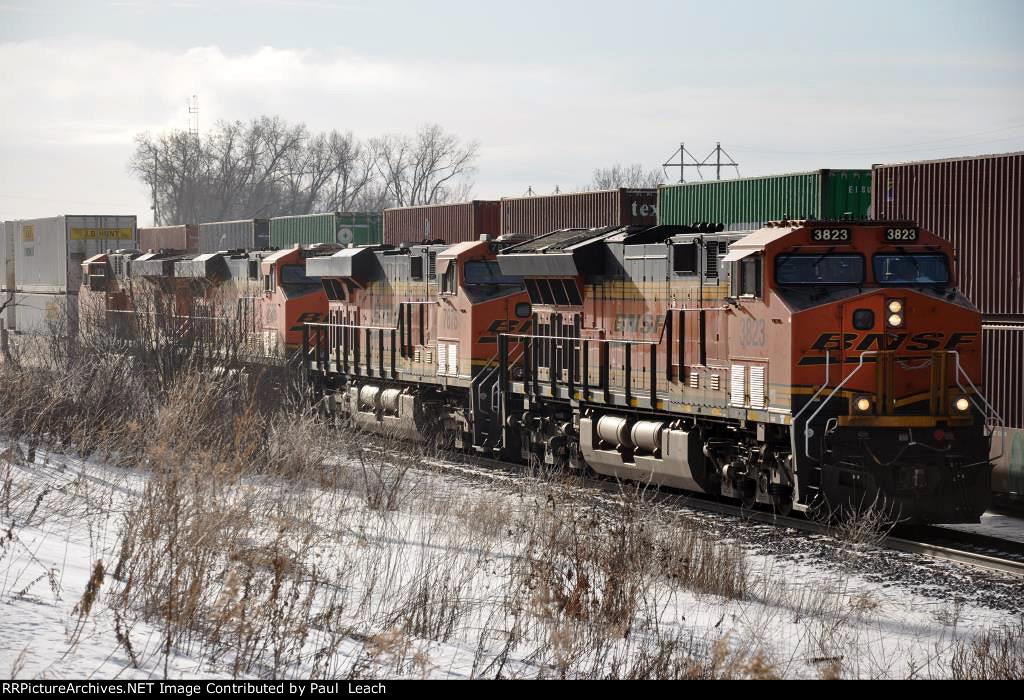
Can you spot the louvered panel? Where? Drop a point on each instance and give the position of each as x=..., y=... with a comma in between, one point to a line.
x=417, y=355
x=453, y=359
x=442, y=358
x=758, y=388
x=737, y=385
x=716, y=382
x=694, y=380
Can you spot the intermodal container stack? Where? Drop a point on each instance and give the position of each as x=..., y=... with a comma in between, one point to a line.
x=246, y=234
x=978, y=205
x=184, y=238
x=533, y=216
x=451, y=223
x=358, y=228
x=749, y=203
x=48, y=256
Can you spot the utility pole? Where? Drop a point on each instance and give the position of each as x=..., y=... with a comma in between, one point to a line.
x=193, y=117
x=156, y=174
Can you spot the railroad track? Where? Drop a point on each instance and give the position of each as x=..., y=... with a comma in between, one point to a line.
x=971, y=549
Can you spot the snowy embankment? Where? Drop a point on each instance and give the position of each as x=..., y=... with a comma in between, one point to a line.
x=379, y=566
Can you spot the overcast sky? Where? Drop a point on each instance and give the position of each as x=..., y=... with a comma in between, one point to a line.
x=550, y=89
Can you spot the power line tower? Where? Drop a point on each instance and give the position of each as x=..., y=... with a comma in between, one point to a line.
x=716, y=153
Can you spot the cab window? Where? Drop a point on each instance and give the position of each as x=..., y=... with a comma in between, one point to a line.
x=747, y=276
x=795, y=269
x=911, y=268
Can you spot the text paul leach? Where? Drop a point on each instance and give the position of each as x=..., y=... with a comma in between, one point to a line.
x=189, y=689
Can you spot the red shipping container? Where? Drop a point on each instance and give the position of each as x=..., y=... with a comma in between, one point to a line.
x=543, y=214
x=451, y=223
x=1003, y=345
x=184, y=237
x=975, y=203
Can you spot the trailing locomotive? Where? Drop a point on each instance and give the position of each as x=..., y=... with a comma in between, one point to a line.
x=411, y=346
x=804, y=365
x=255, y=300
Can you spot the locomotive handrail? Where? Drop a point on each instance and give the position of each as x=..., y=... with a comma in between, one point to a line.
x=989, y=423
x=807, y=437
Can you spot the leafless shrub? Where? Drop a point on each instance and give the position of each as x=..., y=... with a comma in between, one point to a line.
x=995, y=655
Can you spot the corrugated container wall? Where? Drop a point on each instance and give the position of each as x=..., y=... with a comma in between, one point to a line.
x=749, y=203
x=184, y=237
x=1003, y=345
x=451, y=223
x=247, y=234
x=975, y=203
x=48, y=253
x=543, y=214
x=340, y=227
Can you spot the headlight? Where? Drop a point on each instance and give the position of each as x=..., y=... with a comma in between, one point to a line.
x=862, y=404
x=962, y=404
x=895, y=306
x=895, y=320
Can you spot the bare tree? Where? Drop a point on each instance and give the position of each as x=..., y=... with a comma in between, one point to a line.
x=429, y=168
x=268, y=167
x=620, y=175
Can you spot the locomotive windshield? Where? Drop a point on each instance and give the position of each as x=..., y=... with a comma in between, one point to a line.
x=295, y=281
x=483, y=280
x=819, y=269
x=479, y=272
x=911, y=268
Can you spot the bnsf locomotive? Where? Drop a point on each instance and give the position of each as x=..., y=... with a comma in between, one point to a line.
x=804, y=365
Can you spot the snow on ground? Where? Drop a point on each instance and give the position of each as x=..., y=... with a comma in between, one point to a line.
x=1008, y=527
x=444, y=586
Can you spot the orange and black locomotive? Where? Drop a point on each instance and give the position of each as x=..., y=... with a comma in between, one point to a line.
x=804, y=365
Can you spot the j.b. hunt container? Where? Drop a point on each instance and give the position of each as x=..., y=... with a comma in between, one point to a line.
x=749, y=203
x=358, y=228
x=48, y=253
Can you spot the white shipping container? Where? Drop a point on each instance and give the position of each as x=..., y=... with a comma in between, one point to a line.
x=6, y=256
x=48, y=253
x=43, y=314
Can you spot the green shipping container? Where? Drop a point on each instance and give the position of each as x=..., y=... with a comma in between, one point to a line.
x=749, y=203
x=339, y=227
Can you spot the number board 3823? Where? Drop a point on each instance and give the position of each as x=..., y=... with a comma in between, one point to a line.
x=900, y=234
x=830, y=235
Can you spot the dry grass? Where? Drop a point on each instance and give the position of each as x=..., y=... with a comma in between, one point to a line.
x=267, y=542
x=995, y=655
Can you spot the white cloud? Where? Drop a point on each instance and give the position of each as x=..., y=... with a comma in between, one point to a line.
x=538, y=125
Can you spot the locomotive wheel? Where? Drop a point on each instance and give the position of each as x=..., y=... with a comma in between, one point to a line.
x=749, y=497
x=783, y=504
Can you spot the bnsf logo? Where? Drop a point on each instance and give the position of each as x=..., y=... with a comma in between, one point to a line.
x=308, y=317
x=503, y=326
x=862, y=342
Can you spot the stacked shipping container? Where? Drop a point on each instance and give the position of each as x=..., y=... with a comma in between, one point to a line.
x=339, y=227
x=179, y=238
x=246, y=234
x=451, y=223
x=977, y=204
x=48, y=255
x=749, y=203
x=536, y=215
